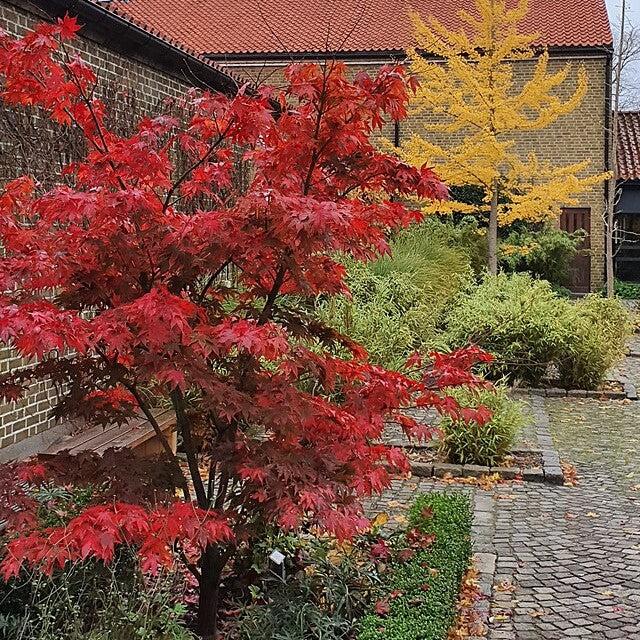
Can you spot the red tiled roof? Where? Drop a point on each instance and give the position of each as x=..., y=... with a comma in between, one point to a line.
x=629, y=145
x=298, y=26
x=165, y=36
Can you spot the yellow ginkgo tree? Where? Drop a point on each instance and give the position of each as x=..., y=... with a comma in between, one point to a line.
x=474, y=107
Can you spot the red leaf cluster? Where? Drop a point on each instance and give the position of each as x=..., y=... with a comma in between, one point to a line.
x=100, y=529
x=140, y=280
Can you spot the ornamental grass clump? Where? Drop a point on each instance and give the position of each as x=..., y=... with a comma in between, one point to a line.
x=484, y=444
x=396, y=303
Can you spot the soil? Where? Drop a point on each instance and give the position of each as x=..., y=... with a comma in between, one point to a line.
x=515, y=459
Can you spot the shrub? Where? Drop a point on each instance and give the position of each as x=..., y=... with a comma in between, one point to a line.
x=627, y=290
x=545, y=253
x=471, y=443
x=515, y=318
x=388, y=314
x=421, y=591
x=529, y=328
x=597, y=331
x=465, y=234
x=397, y=302
x=326, y=588
x=93, y=601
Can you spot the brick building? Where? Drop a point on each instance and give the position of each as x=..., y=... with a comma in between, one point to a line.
x=627, y=236
x=140, y=70
x=147, y=51
x=258, y=38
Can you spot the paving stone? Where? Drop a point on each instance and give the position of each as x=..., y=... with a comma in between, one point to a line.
x=572, y=552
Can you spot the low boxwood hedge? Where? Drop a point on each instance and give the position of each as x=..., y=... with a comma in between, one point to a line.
x=422, y=591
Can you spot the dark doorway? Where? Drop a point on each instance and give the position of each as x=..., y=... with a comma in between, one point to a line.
x=571, y=220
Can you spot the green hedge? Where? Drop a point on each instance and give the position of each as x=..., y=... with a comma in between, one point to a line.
x=423, y=591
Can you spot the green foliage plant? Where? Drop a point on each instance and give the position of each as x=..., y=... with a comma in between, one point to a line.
x=627, y=290
x=397, y=302
x=321, y=592
x=598, y=330
x=421, y=587
x=515, y=318
x=545, y=253
x=486, y=444
x=530, y=330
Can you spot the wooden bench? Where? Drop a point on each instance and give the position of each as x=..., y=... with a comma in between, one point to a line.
x=137, y=434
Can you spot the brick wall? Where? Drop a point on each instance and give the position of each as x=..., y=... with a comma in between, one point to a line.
x=29, y=144
x=573, y=138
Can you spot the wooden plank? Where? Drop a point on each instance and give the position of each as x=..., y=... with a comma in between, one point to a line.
x=99, y=439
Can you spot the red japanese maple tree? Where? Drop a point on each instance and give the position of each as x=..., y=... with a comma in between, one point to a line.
x=113, y=283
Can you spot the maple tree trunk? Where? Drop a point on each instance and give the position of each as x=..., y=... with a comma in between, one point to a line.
x=211, y=568
x=492, y=236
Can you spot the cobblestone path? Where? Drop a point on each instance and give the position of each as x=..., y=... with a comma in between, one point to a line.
x=567, y=558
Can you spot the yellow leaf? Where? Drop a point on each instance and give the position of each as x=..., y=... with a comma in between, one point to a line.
x=380, y=520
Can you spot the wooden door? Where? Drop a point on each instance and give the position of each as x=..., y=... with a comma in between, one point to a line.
x=571, y=220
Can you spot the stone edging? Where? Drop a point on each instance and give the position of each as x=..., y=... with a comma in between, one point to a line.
x=484, y=556
x=630, y=392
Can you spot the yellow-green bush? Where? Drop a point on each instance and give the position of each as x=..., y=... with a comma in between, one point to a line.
x=487, y=444
x=597, y=330
x=398, y=301
x=529, y=328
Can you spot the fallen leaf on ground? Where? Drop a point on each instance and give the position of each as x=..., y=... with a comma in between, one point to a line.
x=537, y=613
x=382, y=607
x=570, y=474
x=506, y=585
x=380, y=520
x=592, y=514
x=470, y=622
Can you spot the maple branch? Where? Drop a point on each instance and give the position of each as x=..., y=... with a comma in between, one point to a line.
x=144, y=407
x=213, y=278
x=177, y=400
x=187, y=172
x=221, y=493
x=273, y=294
x=190, y=566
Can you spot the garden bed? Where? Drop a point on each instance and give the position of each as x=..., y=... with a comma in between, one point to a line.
x=533, y=458
x=420, y=591
x=521, y=465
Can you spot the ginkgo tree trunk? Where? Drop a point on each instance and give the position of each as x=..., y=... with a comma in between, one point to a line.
x=118, y=269
x=474, y=106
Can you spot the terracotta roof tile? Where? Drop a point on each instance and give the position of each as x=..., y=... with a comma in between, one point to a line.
x=165, y=36
x=285, y=26
x=629, y=145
